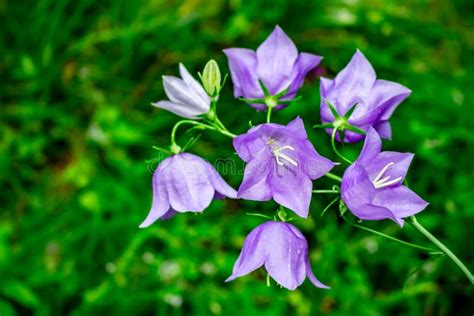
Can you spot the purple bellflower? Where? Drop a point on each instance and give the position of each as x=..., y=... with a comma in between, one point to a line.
x=187, y=98
x=276, y=63
x=282, y=248
x=281, y=162
x=374, y=99
x=372, y=186
x=185, y=183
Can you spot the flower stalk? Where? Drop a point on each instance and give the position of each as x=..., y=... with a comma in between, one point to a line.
x=414, y=222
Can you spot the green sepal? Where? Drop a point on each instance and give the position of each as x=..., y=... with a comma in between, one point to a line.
x=342, y=208
x=266, y=93
x=332, y=108
x=259, y=101
x=351, y=110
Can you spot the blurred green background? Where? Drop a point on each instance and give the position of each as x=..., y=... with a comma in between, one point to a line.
x=76, y=127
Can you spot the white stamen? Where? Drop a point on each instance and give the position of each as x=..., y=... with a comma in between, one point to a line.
x=385, y=182
x=377, y=178
x=278, y=155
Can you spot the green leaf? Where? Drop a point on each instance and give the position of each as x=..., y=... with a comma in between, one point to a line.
x=20, y=293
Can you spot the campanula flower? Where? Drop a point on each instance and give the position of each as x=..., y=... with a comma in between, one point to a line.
x=187, y=98
x=276, y=63
x=185, y=183
x=282, y=248
x=374, y=99
x=281, y=162
x=372, y=186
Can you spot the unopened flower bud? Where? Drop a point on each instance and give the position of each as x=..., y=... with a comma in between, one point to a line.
x=211, y=78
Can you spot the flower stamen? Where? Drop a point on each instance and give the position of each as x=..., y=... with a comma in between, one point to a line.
x=385, y=182
x=279, y=155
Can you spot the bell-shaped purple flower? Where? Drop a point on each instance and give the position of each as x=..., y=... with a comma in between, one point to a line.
x=281, y=163
x=185, y=183
x=374, y=100
x=187, y=97
x=276, y=63
x=372, y=186
x=282, y=248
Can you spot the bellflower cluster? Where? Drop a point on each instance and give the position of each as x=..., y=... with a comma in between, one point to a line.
x=281, y=162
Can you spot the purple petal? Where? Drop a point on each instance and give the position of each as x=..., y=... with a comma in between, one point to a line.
x=353, y=83
x=194, y=85
x=325, y=112
x=187, y=183
x=402, y=201
x=303, y=65
x=171, y=213
x=160, y=205
x=358, y=193
x=276, y=57
x=252, y=255
x=255, y=185
x=287, y=252
x=242, y=65
x=219, y=184
x=178, y=92
x=314, y=165
x=297, y=126
x=388, y=95
x=292, y=189
x=401, y=163
x=356, y=188
x=183, y=110
x=311, y=277
x=384, y=129
x=250, y=144
x=375, y=212
x=372, y=147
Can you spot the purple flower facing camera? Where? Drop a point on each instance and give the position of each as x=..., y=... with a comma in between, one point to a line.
x=281, y=164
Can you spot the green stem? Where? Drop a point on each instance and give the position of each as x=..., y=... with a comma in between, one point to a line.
x=325, y=191
x=196, y=123
x=413, y=221
x=269, y=113
x=333, y=176
x=431, y=251
x=333, y=144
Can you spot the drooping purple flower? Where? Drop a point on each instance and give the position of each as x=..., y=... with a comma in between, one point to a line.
x=282, y=248
x=372, y=186
x=187, y=97
x=281, y=163
x=375, y=99
x=185, y=183
x=276, y=63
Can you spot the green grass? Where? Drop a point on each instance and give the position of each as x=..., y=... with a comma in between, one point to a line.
x=76, y=128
